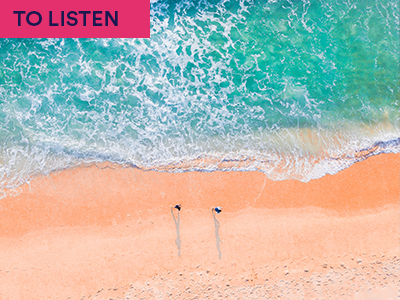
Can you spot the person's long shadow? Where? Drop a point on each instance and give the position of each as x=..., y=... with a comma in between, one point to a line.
x=178, y=236
x=218, y=240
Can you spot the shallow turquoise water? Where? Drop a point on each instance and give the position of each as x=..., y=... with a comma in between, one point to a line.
x=290, y=88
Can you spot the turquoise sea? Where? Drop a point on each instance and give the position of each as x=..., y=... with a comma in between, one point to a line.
x=294, y=89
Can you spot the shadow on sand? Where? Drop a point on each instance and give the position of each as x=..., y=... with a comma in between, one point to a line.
x=178, y=235
x=218, y=240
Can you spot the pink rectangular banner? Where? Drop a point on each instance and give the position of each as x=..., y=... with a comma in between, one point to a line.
x=75, y=19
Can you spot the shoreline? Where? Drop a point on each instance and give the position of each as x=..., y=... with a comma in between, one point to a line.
x=84, y=230
x=315, y=165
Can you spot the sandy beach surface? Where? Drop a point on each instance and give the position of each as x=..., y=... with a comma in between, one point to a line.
x=108, y=232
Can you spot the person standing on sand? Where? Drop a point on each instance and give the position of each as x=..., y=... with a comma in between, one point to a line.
x=177, y=224
x=218, y=210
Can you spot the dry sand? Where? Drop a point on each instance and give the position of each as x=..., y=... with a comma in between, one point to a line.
x=102, y=233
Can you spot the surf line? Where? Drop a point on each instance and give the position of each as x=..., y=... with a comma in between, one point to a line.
x=34, y=18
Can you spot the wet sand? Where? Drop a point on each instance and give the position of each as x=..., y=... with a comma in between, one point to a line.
x=106, y=232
